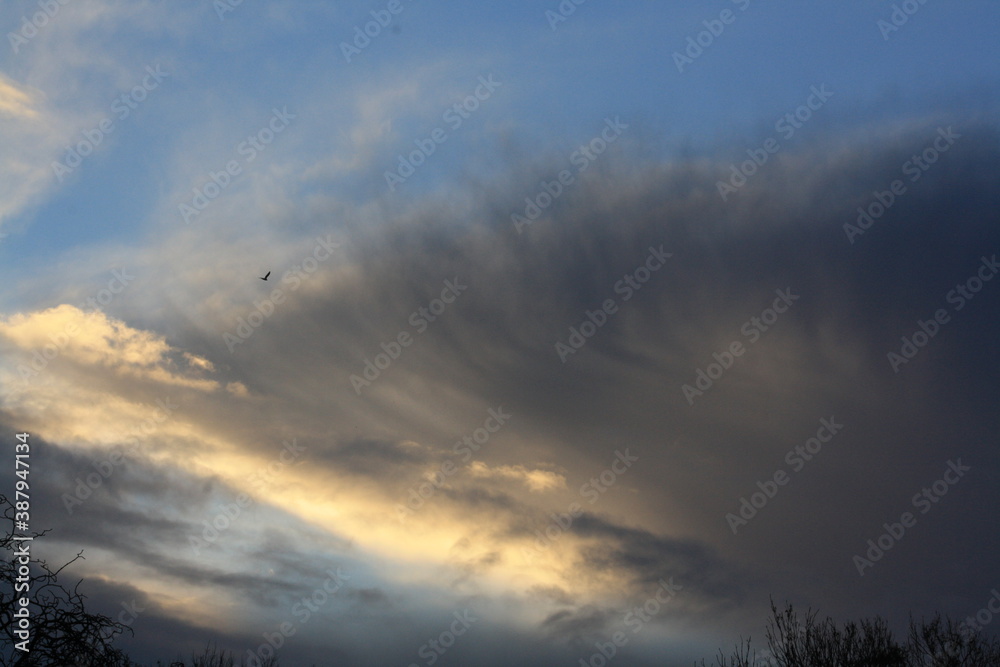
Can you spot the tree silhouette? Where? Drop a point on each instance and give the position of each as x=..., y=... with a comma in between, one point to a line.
x=62, y=631
x=807, y=642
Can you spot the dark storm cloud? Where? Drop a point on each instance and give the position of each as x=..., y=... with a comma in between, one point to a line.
x=827, y=356
x=577, y=627
x=824, y=358
x=643, y=557
x=376, y=458
x=525, y=291
x=650, y=558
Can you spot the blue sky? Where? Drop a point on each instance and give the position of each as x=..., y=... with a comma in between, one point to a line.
x=352, y=260
x=607, y=58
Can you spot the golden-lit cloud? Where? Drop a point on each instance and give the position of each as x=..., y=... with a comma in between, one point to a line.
x=17, y=101
x=94, y=339
x=536, y=480
x=237, y=389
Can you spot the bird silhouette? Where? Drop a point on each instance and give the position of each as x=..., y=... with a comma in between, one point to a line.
x=265, y=277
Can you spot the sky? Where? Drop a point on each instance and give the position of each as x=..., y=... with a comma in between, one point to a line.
x=588, y=329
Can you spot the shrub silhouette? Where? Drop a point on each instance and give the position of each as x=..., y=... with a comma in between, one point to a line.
x=807, y=642
x=213, y=657
x=64, y=633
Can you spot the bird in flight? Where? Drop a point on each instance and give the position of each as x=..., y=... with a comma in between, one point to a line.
x=265, y=277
